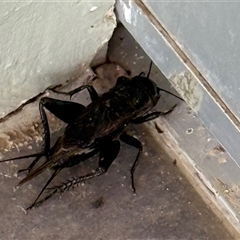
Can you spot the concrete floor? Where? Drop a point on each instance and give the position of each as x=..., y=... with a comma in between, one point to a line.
x=165, y=207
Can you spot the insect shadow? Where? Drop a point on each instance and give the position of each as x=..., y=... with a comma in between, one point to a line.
x=96, y=128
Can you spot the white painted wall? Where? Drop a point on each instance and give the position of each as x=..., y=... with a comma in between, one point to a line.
x=45, y=43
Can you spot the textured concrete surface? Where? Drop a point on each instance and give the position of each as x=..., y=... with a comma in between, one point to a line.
x=165, y=206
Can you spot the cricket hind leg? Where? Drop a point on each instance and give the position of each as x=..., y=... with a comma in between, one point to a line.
x=36, y=202
x=132, y=141
x=64, y=110
x=108, y=153
x=33, y=163
x=92, y=92
x=50, y=104
x=57, y=168
x=71, y=162
x=30, y=167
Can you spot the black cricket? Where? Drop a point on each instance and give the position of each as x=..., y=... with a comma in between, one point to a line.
x=95, y=128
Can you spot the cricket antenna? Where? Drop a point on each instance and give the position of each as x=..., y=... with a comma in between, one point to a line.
x=160, y=89
x=163, y=90
x=150, y=67
x=142, y=73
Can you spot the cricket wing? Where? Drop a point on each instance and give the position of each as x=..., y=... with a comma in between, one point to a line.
x=35, y=172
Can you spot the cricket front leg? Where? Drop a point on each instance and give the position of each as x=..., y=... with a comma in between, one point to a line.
x=151, y=116
x=132, y=141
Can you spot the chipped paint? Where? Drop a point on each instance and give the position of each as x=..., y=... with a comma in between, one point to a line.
x=129, y=15
x=127, y=12
x=189, y=131
x=222, y=160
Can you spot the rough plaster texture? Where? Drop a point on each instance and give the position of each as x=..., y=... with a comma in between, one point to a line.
x=47, y=43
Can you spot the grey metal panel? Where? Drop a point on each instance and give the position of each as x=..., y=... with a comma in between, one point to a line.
x=208, y=33
x=183, y=77
x=221, y=176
